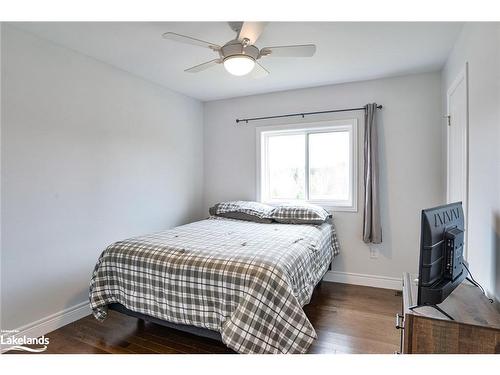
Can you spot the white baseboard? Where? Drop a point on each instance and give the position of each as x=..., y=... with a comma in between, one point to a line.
x=52, y=322
x=384, y=282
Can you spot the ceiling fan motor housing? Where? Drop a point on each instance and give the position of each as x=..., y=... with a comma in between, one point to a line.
x=236, y=48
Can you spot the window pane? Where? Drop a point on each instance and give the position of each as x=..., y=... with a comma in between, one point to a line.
x=286, y=166
x=329, y=166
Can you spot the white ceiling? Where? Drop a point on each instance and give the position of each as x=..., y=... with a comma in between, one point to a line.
x=345, y=52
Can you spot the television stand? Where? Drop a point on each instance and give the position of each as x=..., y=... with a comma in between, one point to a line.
x=475, y=328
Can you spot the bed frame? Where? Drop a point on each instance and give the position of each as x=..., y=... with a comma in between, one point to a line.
x=198, y=331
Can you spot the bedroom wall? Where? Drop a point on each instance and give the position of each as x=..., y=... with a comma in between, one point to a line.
x=479, y=45
x=410, y=154
x=90, y=155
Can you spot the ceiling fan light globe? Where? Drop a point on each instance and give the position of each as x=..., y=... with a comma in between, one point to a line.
x=239, y=65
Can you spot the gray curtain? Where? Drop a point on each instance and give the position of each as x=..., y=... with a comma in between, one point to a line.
x=372, y=228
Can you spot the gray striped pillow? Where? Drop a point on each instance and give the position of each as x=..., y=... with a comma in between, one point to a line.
x=243, y=210
x=300, y=214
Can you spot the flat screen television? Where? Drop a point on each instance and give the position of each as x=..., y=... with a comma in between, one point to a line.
x=441, y=266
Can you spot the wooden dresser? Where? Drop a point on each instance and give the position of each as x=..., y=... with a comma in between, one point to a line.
x=476, y=328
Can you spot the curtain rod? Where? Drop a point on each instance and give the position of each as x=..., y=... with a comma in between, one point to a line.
x=245, y=120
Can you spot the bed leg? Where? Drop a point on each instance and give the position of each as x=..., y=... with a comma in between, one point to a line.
x=141, y=323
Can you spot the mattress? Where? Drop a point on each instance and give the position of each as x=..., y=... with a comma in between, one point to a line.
x=248, y=281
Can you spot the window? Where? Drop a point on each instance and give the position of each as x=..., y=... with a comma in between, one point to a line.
x=314, y=163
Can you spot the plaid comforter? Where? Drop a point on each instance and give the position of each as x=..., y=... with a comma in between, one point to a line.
x=246, y=280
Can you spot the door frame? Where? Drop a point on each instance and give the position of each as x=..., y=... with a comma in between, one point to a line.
x=463, y=75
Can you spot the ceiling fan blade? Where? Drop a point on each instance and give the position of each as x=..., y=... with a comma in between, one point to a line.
x=304, y=50
x=251, y=31
x=259, y=71
x=189, y=40
x=204, y=66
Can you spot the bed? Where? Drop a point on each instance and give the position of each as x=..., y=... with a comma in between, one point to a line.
x=240, y=281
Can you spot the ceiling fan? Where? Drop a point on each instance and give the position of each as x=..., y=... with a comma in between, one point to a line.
x=239, y=56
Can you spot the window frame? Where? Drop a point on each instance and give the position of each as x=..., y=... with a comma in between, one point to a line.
x=262, y=136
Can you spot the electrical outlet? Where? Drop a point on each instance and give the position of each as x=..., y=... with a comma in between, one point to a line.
x=373, y=253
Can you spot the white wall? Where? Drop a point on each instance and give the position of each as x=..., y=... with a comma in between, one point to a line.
x=479, y=45
x=1, y=29
x=410, y=157
x=90, y=155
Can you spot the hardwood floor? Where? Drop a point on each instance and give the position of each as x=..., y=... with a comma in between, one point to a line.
x=347, y=319
x=354, y=319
